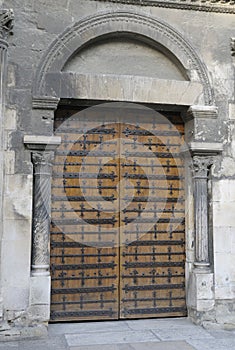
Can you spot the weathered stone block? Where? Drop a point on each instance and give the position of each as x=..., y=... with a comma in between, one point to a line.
x=9, y=159
x=11, y=76
x=223, y=291
x=18, y=197
x=222, y=239
x=10, y=119
x=17, y=230
x=39, y=313
x=15, y=298
x=40, y=290
x=200, y=291
x=223, y=212
x=225, y=313
x=224, y=190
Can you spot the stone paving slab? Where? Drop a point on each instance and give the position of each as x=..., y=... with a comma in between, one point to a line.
x=50, y=343
x=150, y=334
x=213, y=344
x=9, y=346
x=220, y=334
x=87, y=327
x=110, y=338
x=182, y=333
x=139, y=346
x=159, y=323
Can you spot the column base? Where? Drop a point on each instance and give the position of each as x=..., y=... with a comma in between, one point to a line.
x=40, y=298
x=201, y=290
x=40, y=270
x=202, y=267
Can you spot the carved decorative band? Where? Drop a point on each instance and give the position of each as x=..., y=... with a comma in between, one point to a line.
x=223, y=6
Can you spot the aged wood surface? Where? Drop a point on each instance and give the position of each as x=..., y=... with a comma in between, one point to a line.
x=117, y=232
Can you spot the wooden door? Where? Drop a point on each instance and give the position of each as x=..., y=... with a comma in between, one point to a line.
x=117, y=232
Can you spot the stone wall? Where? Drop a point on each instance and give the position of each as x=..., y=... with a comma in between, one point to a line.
x=37, y=25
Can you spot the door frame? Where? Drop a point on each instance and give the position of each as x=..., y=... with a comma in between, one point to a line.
x=201, y=115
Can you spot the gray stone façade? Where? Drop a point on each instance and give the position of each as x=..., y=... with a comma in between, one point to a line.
x=65, y=51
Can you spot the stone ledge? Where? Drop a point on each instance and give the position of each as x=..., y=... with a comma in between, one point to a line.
x=41, y=142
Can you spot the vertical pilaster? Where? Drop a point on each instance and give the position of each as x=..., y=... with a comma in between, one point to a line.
x=6, y=25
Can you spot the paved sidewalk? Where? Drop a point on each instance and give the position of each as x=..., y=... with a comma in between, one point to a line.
x=155, y=334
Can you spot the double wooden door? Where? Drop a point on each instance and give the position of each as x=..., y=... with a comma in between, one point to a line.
x=117, y=231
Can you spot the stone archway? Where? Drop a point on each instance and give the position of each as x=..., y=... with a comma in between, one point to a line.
x=149, y=29
x=195, y=90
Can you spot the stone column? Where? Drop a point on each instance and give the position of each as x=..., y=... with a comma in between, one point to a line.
x=42, y=149
x=42, y=163
x=42, y=152
x=201, y=166
x=6, y=26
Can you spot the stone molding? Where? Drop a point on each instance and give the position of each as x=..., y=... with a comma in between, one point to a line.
x=45, y=102
x=6, y=23
x=202, y=112
x=205, y=148
x=221, y=6
x=108, y=23
x=41, y=142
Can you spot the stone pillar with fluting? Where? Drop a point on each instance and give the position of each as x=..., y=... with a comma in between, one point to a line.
x=201, y=165
x=42, y=163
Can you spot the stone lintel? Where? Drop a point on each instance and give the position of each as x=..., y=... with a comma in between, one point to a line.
x=206, y=112
x=128, y=88
x=45, y=102
x=41, y=142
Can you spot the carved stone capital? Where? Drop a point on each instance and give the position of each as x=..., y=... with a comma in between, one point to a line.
x=6, y=23
x=201, y=165
x=42, y=159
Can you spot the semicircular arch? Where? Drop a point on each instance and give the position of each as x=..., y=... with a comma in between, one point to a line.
x=147, y=29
